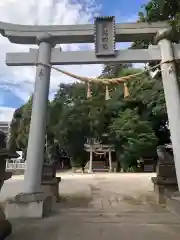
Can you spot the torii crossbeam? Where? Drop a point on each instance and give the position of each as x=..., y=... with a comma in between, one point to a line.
x=88, y=57
x=82, y=33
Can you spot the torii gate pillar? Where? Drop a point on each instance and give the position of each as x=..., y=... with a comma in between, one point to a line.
x=172, y=94
x=33, y=202
x=35, y=150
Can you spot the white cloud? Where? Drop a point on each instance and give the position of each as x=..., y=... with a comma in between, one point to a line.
x=42, y=12
x=20, y=80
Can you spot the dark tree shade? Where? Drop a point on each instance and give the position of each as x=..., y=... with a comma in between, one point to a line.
x=2, y=140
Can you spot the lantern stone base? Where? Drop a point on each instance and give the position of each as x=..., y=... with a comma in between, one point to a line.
x=163, y=188
x=35, y=205
x=52, y=187
x=173, y=203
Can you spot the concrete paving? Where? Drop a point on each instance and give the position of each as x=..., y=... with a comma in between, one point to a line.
x=100, y=206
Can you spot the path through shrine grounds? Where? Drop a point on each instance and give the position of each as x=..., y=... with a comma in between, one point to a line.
x=99, y=206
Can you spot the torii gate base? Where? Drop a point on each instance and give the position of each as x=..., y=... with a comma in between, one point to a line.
x=31, y=203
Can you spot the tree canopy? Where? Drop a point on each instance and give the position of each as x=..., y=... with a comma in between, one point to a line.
x=135, y=125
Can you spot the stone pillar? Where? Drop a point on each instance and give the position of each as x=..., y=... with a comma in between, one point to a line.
x=110, y=161
x=90, y=161
x=36, y=141
x=172, y=96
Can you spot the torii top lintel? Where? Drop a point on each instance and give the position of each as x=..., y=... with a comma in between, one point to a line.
x=62, y=34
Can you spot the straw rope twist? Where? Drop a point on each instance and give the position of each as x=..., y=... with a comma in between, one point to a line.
x=105, y=81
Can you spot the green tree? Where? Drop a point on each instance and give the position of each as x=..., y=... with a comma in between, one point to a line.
x=23, y=131
x=160, y=10
x=133, y=137
x=17, y=116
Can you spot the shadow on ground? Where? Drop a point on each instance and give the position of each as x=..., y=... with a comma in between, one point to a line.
x=75, y=201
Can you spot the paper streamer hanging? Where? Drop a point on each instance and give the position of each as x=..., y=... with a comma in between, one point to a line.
x=107, y=96
x=126, y=91
x=89, y=95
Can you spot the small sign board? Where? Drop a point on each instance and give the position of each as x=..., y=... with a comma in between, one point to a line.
x=105, y=36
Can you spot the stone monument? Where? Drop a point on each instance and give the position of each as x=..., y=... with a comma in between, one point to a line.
x=5, y=226
x=166, y=182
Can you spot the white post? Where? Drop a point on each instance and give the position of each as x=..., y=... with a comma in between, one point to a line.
x=172, y=96
x=35, y=150
x=90, y=160
x=110, y=160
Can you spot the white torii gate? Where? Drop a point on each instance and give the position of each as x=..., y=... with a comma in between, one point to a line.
x=47, y=36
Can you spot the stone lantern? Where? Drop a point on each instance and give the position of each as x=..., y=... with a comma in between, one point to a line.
x=166, y=181
x=5, y=226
